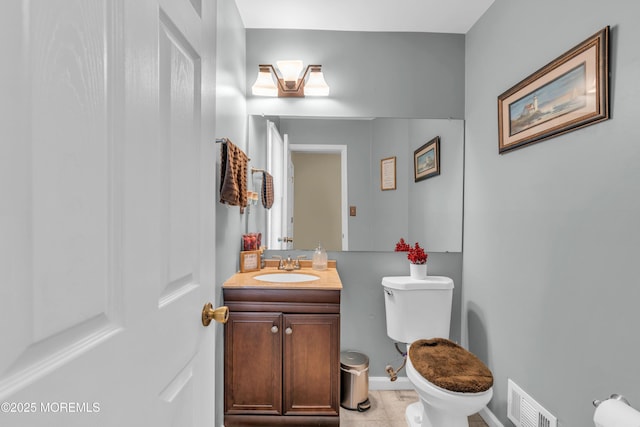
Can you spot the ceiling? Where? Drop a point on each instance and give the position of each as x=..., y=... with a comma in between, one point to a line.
x=436, y=16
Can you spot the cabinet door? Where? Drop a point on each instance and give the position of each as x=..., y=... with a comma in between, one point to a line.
x=311, y=364
x=253, y=363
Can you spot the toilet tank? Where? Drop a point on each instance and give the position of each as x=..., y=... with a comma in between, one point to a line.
x=417, y=309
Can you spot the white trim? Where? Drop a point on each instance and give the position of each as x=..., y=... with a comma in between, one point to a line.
x=384, y=383
x=276, y=217
x=342, y=150
x=490, y=418
x=271, y=241
x=286, y=156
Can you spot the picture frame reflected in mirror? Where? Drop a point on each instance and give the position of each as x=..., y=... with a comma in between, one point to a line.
x=426, y=160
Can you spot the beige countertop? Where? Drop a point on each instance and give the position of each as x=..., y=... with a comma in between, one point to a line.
x=328, y=279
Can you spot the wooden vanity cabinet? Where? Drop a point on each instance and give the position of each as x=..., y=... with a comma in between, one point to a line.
x=282, y=357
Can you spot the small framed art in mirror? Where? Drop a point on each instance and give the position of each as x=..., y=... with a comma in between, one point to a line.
x=426, y=160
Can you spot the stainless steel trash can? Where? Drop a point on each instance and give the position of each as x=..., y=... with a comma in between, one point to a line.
x=354, y=380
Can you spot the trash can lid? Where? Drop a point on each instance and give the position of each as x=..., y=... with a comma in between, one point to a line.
x=354, y=360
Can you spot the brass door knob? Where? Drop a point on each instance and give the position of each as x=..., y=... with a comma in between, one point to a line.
x=220, y=314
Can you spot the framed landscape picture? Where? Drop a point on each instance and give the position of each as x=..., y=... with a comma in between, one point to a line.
x=569, y=93
x=426, y=160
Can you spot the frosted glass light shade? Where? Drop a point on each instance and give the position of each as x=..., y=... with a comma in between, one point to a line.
x=290, y=70
x=264, y=85
x=316, y=85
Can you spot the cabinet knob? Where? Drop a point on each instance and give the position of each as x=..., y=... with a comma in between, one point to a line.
x=274, y=329
x=288, y=331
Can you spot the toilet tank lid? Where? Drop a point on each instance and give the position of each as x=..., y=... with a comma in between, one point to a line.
x=407, y=283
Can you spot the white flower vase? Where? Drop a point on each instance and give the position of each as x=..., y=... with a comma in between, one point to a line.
x=418, y=271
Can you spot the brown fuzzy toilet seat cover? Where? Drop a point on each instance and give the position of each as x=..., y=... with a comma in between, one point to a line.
x=449, y=366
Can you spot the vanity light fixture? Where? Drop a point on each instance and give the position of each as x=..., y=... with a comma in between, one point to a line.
x=289, y=82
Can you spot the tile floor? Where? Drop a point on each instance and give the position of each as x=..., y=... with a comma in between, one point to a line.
x=387, y=410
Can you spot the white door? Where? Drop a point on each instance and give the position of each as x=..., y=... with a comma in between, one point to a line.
x=276, y=164
x=106, y=212
x=290, y=176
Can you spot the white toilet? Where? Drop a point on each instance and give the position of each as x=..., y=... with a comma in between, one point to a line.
x=421, y=310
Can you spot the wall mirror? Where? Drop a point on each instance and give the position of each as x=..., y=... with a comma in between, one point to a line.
x=332, y=189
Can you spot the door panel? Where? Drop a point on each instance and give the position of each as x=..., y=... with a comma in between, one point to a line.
x=67, y=211
x=179, y=112
x=253, y=363
x=107, y=208
x=62, y=296
x=311, y=360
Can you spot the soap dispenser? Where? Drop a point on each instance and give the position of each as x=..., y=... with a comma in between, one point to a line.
x=319, y=258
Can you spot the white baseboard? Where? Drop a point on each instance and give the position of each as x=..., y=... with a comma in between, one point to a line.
x=403, y=383
x=384, y=383
x=489, y=418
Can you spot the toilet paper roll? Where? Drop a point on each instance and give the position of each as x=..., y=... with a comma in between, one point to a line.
x=614, y=413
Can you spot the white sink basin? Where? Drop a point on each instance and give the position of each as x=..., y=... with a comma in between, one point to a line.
x=286, y=277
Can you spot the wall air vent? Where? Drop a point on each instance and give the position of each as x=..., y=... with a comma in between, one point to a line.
x=523, y=411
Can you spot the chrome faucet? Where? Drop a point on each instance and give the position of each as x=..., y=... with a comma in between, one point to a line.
x=280, y=264
x=290, y=264
x=298, y=258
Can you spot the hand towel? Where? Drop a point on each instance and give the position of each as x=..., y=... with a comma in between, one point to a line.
x=267, y=190
x=233, y=175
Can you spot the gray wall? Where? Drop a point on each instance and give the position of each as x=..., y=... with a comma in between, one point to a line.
x=408, y=75
x=435, y=204
x=391, y=220
x=428, y=211
x=551, y=235
x=231, y=123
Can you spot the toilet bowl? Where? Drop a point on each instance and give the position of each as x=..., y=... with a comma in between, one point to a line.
x=418, y=310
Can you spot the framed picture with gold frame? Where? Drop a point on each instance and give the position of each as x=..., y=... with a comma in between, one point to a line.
x=249, y=261
x=569, y=93
x=388, y=173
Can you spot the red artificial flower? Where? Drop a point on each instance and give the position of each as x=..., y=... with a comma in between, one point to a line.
x=402, y=246
x=417, y=255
